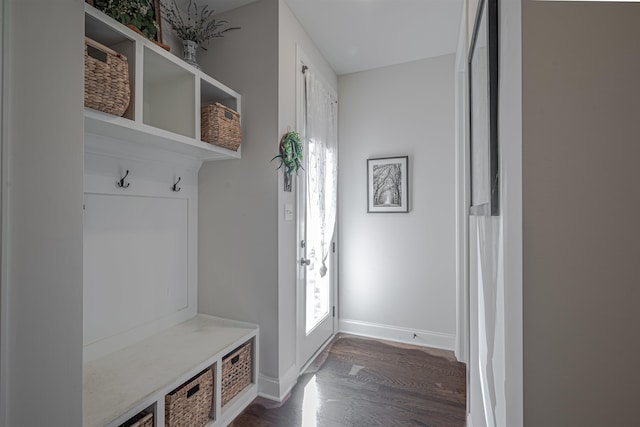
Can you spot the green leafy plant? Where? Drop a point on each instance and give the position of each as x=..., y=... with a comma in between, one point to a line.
x=290, y=153
x=199, y=26
x=138, y=13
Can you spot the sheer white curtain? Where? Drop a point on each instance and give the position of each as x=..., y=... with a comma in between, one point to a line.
x=321, y=136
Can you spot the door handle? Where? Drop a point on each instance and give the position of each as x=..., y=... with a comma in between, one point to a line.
x=304, y=262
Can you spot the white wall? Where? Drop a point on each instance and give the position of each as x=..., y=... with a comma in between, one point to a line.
x=462, y=194
x=397, y=271
x=581, y=202
x=238, y=228
x=510, y=135
x=42, y=275
x=291, y=38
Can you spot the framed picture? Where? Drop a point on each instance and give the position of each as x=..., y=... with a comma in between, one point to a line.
x=388, y=184
x=483, y=111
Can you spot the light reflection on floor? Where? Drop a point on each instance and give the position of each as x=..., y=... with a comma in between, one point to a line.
x=358, y=382
x=310, y=403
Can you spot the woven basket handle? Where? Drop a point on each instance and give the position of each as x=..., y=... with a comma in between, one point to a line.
x=94, y=44
x=229, y=114
x=193, y=390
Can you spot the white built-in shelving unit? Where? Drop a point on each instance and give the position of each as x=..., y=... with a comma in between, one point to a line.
x=143, y=336
x=166, y=95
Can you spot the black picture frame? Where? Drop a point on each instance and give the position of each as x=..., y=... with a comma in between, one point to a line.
x=388, y=185
x=157, y=11
x=483, y=112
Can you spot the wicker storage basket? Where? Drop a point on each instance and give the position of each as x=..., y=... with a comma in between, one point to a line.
x=190, y=404
x=237, y=369
x=221, y=126
x=143, y=419
x=106, y=79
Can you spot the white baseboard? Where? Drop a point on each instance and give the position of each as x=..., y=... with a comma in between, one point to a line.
x=398, y=334
x=277, y=389
x=268, y=387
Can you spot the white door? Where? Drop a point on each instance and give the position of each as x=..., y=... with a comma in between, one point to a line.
x=315, y=291
x=317, y=200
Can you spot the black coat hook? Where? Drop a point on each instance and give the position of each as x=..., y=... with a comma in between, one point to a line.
x=121, y=183
x=175, y=187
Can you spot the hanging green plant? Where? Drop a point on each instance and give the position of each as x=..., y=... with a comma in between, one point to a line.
x=290, y=153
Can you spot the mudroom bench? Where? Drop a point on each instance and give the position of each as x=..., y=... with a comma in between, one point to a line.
x=138, y=377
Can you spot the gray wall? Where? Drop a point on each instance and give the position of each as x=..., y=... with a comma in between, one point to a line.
x=398, y=270
x=42, y=272
x=247, y=252
x=581, y=104
x=238, y=228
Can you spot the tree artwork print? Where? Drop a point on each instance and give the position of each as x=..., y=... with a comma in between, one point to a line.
x=387, y=190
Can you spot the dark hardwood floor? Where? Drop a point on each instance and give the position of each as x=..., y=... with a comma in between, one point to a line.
x=366, y=382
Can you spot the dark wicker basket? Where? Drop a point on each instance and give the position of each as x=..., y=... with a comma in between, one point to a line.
x=106, y=79
x=190, y=404
x=221, y=126
x=237, y=370
x=143, y=419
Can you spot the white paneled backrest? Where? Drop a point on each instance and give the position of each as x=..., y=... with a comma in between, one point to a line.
x=136, y=250
x=140, y=244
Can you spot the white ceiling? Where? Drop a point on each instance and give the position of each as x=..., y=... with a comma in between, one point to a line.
x=357, y=35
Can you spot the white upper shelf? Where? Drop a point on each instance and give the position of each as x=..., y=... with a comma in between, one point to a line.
x=166, y=95
x=102, y=124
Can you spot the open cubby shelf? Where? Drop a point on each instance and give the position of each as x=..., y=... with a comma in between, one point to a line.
x=166, y=95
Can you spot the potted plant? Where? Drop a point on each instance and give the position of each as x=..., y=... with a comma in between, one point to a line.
x=197, y=29
x=138, y=14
